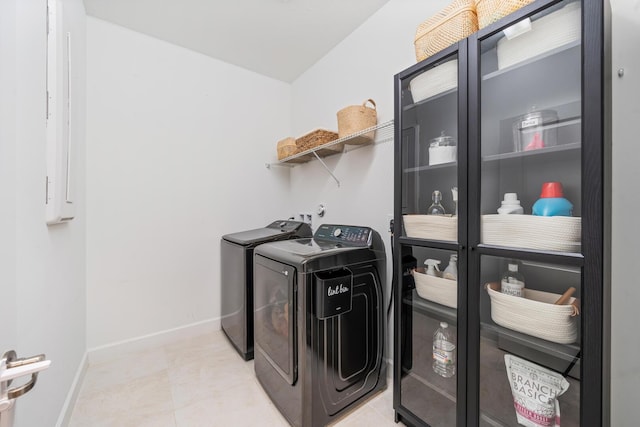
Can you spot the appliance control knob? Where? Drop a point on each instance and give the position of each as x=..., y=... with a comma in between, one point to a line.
x=337, y=232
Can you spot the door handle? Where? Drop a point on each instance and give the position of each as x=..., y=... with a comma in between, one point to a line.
x=11, y=367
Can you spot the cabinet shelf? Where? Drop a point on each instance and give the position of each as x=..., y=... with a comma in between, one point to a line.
x=572, y=48
x=538, y=152
x=449, y=92
x=432, y=309
x=448, y=165
x=564, y=358
x=436, y=244
x=572, y=259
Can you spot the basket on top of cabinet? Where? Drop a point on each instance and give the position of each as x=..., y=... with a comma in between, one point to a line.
x=453, y=23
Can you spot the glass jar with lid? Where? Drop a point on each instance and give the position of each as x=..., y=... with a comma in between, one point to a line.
x=442, y=150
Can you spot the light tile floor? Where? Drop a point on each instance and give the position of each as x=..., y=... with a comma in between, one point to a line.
x=199, y=382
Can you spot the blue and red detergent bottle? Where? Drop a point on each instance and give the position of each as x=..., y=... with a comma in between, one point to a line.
x=552, y=202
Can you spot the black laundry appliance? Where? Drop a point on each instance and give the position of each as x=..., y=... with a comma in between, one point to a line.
x=236, y=266
x=320, y=323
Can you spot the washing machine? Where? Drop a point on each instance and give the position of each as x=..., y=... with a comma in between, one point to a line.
x=236, y=267
x=319, y=322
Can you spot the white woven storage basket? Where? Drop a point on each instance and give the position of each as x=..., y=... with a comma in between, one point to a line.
x=547, y=33
x=535, y=314
x=436, y=227
x=436, y=289
x=554, y=233
x=435, y=81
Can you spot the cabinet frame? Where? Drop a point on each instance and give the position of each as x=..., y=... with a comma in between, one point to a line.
x=594, y=258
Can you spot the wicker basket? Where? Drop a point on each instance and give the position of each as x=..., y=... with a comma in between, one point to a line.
x=317, y=138
x=286, y=148
x=489, y=11
x=436, y=289
x=453, y=23
x=553, y=233
x=436, y=227
x=535, y=314
x=356, y=118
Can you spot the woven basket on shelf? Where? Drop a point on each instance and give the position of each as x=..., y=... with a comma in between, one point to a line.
x=553, y=233
x=287, y=147
x=451, y=24
x=317, y=138
x=489, y=11
x=435, y=227
x=356, y=118
x=535, y=314
x=436, y=289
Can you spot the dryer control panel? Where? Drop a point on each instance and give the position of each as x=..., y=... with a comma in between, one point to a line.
x=348, y=235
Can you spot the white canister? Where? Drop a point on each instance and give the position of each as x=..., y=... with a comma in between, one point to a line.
x=442, y=150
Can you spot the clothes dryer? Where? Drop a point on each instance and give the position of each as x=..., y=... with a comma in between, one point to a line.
x=236, y=267
x=319, y=322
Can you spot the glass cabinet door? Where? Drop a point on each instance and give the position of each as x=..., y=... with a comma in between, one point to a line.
x=430, y=151
x=530, y=220
x=530, y=107
x=429, y=144
x=429, y=335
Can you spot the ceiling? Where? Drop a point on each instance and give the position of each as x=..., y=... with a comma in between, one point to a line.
x=276, y=38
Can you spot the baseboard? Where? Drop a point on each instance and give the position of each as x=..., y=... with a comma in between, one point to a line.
x=72, y=396
x=110, y=351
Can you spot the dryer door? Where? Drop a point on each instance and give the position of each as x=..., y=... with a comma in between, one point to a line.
x=274, y=315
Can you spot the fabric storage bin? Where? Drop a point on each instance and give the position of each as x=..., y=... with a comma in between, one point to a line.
x=553, y=233
x=490, y=11
x=535, y=314
x=436, y=227
x=547, y=33
x=356, y=118
x=453, y=23
x=436, y=289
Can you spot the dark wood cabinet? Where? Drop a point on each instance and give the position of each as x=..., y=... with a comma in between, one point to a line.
x=519, y=110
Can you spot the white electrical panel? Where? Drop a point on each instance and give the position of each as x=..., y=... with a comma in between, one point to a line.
x=59, y=181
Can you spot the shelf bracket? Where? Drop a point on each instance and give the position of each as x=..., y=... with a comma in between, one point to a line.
x=325, y=166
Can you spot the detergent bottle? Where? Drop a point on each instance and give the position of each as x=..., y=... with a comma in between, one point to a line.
x=552, y=202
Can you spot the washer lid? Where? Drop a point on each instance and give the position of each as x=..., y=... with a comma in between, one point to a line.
x=277, y=230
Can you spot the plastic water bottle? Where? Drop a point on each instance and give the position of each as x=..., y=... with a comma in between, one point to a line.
x=444, y=351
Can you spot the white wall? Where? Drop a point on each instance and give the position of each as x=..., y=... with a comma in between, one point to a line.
x=43, y=272
x=625, y=292
x=177, y=146
x=8, y=77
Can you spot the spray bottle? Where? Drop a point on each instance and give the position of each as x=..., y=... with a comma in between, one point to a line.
x=451, y=272
x=432, y=267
